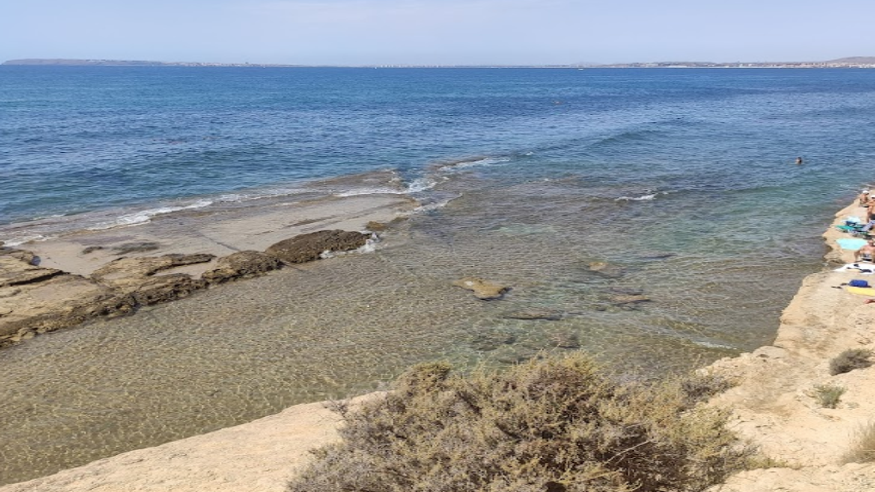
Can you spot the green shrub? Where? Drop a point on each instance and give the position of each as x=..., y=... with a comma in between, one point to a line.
x=828, y=395
x=849, y=360
x=557, y=425
x=863, y=449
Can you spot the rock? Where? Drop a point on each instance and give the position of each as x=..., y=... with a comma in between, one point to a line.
x=566, y=340
x=309, y=247
x=606, y=269
x=139, y=247
x=243, y=264
x=91, y=249
x=483, y=289
x=165, y=288
x=146, y=266
x=491, y=340
x=14, y=270
x=374, y=226
x=623, y=299
x=535, y=315
x=632, y=291
x=656, y=255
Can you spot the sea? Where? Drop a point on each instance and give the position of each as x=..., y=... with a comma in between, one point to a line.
x=654, y=218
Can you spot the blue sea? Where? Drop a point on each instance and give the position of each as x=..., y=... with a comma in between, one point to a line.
x=575, y=187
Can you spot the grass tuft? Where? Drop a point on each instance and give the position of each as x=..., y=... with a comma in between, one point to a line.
x=828, y=395
x=863, y=448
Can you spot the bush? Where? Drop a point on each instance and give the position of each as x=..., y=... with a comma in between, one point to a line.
x=828, y=395
x=849, y=360
x=558, y=425
x=863, y=449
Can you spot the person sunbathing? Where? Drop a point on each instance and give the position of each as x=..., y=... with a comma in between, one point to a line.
x=866, y=253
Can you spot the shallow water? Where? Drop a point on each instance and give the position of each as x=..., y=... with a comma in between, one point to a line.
x=681, y=182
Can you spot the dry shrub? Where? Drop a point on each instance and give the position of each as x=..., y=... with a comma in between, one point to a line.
x=849, y=360
x=863, y=449
x=558, y=425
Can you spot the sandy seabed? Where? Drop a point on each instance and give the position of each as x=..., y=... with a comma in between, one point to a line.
x=773, y=406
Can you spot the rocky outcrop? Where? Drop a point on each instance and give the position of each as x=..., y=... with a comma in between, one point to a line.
x=37, y=300
x=309, y=247
x=483, y=289
x=243, y=264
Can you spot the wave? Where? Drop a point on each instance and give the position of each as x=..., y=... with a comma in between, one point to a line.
x=145, y=216
x=470, y=162
x=642, y=198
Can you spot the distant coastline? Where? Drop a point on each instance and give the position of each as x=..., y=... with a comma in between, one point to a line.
x=849, y=62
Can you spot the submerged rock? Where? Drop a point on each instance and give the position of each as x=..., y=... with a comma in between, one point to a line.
x=535, y=315
x=605, y=269
x=483, y=289
x=624, y=299
x=309, y=247
x=243, y=264
x=138, y=247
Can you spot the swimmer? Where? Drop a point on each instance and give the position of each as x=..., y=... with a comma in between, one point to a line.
x=798, y=161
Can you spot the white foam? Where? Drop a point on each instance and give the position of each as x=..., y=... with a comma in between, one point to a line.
x=145, y=216
x=24, y=239
x=369, y=247
x=636, y=198
x=714, y=345
x=487, y=161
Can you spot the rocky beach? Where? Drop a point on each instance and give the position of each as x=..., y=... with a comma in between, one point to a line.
x=773, y=405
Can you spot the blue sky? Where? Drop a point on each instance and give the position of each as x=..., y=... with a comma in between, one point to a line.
x=440, y=32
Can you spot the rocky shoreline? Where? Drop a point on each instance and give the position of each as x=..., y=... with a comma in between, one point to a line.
x=69, y=281
x=773, y=405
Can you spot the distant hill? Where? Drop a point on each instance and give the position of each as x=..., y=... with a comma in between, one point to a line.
x=126, y=63
x=60, y=61
x=855, y=60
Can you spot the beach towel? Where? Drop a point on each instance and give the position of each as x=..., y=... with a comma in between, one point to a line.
x=862, y=291
x=860, y=267
x=852, y=244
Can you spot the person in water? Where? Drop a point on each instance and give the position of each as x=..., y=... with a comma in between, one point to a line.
x=798, y=160
x=866, y=253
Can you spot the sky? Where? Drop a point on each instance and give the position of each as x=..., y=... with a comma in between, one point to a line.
x=437, y=32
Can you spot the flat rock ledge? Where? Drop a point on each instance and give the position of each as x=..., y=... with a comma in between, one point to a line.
x=36, y=300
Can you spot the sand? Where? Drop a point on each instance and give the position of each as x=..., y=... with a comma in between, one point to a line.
x=772, y=406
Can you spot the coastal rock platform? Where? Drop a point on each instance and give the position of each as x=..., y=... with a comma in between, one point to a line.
x=69, y=280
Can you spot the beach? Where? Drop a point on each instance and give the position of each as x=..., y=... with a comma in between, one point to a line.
x=772, y=406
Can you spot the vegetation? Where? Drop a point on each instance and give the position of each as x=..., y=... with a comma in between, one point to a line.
x=828, y=395
x=849, y=360
x=556, y=425
x=863, y=449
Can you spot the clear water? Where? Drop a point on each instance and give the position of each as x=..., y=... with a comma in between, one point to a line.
x=682, y=180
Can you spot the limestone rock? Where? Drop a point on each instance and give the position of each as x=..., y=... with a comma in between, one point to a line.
x=166, y=288
x=126, y=268
x=483, y=289
x=309, y=247
x=17, y=271
x=243, y=264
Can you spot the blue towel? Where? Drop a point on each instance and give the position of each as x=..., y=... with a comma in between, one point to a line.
x=852, y=244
